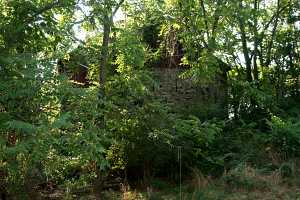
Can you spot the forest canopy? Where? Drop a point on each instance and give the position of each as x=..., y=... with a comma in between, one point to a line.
x=189, y=99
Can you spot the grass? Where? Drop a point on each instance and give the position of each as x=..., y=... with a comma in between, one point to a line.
x=217, y=190
x=240, y=183
x=213, y=193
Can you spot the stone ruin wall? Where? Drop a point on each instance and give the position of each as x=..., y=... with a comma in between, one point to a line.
x=175, y=90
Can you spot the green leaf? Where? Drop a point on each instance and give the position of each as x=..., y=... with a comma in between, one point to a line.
x=22, y=127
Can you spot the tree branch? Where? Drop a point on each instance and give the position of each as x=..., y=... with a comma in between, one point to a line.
x=117, y=7
x=272, y=36
x=255, y=68
x=244, y=45
x=216, y=18
x=43, y=9
x=277, y=13
x=205, y=18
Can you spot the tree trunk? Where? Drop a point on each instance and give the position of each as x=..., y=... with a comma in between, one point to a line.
x=147, y=172
x=104, y=55
x=270, y=45
x=98, y=185
x=98, y=182
x=244, y=46
x=255, y=70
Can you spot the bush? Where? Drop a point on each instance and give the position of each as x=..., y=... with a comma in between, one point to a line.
x=244, y=177
x=284, y=136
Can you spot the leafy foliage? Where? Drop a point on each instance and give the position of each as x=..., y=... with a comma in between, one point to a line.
x=56, y=134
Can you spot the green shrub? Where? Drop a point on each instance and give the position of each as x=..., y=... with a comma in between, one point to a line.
x=287, y=170
x=244, y=177
x=160, y=184
x=284, y=136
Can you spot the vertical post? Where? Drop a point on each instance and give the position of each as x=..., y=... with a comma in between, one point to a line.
x=179, y=160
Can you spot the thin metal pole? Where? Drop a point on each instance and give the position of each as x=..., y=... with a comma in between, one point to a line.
x=179, y=158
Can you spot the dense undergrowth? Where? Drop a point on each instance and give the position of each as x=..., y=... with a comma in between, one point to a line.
x=82, y=119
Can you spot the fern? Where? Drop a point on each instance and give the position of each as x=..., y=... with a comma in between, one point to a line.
x=21, y=127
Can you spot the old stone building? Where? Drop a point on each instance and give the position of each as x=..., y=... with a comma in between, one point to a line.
x=186, y=94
